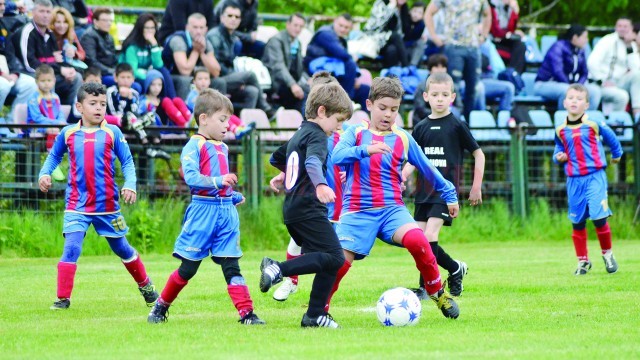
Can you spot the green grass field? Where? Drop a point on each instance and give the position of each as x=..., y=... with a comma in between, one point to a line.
x=520, y=301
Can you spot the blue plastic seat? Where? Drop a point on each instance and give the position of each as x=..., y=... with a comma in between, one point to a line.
x=484, y=119
x=541, y=118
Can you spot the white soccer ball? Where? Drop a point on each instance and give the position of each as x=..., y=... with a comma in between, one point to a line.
x=398, y=307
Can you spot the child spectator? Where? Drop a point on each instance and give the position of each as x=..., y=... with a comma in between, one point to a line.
x=206, y=170
x=169, y=111
x=413, y=29
x=579, y=148
x=92, y=194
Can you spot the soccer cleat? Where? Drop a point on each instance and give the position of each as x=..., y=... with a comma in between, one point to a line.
x=287, y=288
x=325, y=320
x=421, y=293
x=455, y=280
x=271, y=274
x=61, y=304
x=251, y=319
x=149, y=293
x=584, y=266
x=158, y=314
x=446, y=304
x=610, y=262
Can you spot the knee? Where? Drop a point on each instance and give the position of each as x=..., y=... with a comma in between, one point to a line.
x=337, y=259
x=600, y=222
x=580, y=226
x=188, y=269
x=121, y=247
x=72, y=248
x=230, y=270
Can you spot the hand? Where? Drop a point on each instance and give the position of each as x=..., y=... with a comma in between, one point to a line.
x=615, y=161
x=475, y=196
x=379, y=148
x=45, y=183
x=297, y=91
x=199, y=44
x=125, y=92
x=128, y=196
x=562, y=157
x=277, y=182
x=57, y=55
x=150, y=38
x=10, y=77
x=325, y=194
x=242, y=201
x=453, y=210
x=229, y=179
x=254, y=36
x=343, y=177
x=436, y=40
x=68, y=73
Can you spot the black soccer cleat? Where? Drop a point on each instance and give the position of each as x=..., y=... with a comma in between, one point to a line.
x=270, y=274
x=325, y=320
x=421, y=293
x=583, y=267
x=159, y=313
x=61, y=304
x=251, y=319
x=149, y=293
x=446, y=304
x=455, y=280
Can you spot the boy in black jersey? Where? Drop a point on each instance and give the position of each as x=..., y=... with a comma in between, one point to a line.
x=303, y=160
x=443, y=138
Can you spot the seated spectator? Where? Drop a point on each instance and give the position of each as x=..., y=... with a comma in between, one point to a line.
x=283, y=58
x=186, y=49
x=247, y=30
x=328, y=51
x=169, y=111
x=413, y=29
x=614, y=64
x=79, y=12
x=504, y=22
x=383, y=31
x=62, y=26
x=177, y=12
x=492, y=89
x=565, y=64
x=35, y=44
x=243, y=86
x=142, y=52
x=12, y=18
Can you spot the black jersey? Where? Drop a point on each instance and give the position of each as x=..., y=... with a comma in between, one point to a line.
x=301, y=202
x=443, y=140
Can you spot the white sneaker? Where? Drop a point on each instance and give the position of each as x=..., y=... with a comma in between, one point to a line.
x=287, y=288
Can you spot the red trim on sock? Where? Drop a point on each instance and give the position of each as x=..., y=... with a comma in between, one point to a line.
x=604, y=236
x=418, y=246
x=580, y=244
x=137, y=271
x=175, y=284
x=66, y=275
x=241, y=299
x=341, y=273
x=294, y=278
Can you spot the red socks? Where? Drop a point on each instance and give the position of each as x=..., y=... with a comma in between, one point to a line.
x=294, y=278
x=66, y=274
x=137, y=271
x=341, y=273
x=418, y=246
x=240, y=297
x=604, y=236
x=234, y=123
x=580, y=243
x=175, y=284
x=113, y=120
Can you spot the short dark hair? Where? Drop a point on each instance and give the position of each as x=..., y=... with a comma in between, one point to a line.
x=382, y=87
x=419, y=4
x=91, y=88
x=199, y=69
x=437, y=60
x=99, y=11
x=44, y=69
x=230, y=4
x=296, y=15
x=346, y=16
x=209, y=102
x=123, y=67
x=92, y=70
x=573, y=30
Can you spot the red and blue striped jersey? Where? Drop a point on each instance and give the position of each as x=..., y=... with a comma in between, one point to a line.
x=204, y=163
x=582, y=143
x=91, y=185
x=375, y=181
x=45, y=111
x=333, y=176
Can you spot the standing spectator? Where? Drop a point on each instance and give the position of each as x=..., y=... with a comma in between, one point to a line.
x=142, y=52
x=565, y=64
x=461, y=40
x=505, y=15
x=385, y=27
x=79, y=12
x=248, y=29
x=283, y=58
x=413, y=29
x=615, y=66
x=100, y=46
x=243, y=86
x=177, y=13
x=62, y=26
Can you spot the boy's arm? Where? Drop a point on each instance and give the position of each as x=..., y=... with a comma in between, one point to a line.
x=279, y=158
x=610, y=139
x=431, y=174
x=316, y=156
x=55, y=155
x=475, y=196
x=121, y=148
x=190, y=159
x=559, y=148
x=345, y=152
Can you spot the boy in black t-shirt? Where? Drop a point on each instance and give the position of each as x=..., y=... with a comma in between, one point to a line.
x=303, y=159
x=443, y=138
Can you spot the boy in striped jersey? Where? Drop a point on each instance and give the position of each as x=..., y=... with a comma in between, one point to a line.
x=372, y=206
x=211, y=227
x=92, y=193
x=579, y=148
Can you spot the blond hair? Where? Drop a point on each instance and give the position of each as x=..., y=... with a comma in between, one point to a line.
x=580, y=88
x=209, y=102
x=69, y=35
x=439, y=78
x=382, y=87
x=327, y=92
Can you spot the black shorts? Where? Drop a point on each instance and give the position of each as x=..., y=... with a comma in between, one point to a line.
x=314, y=235
x=428, y=210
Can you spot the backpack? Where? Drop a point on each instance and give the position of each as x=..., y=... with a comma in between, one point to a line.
x=245, y=63
x=512, y=76
x=408, y=76
x=167, y=53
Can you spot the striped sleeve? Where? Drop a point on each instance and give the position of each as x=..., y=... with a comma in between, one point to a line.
x=121, y=148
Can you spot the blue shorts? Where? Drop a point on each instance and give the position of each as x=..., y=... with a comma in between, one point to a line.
x=107, y=225
x=357, y=231
x=587, y=197
x=211, y=227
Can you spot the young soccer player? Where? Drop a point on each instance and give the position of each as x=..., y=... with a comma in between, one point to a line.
x=372, y=205
x=211, y=226
x=92, y=74
x=579, y=148
x=92, y=193
x=443, y=138
x=303, y=160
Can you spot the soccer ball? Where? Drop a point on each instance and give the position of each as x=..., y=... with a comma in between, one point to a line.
x=398, y=307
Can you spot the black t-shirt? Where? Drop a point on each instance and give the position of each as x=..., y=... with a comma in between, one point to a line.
x=443, y=140
x=301, y=202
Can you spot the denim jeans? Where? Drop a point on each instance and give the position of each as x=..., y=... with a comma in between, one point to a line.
x=552, y=90
x=24, y=87
x=464, y=64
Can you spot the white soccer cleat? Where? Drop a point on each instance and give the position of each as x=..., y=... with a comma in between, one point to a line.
x=287, y=288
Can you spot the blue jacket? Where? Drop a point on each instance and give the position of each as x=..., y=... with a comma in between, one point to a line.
x=326, y=42
x=563, y=63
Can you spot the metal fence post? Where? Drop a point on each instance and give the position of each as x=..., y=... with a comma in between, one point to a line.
x=519, y=171
x=254, y=183
x=636, y=162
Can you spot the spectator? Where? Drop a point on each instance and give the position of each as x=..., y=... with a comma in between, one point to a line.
x=187, y=49
x=490, y=88
x=283, y=58
x=565, y=64
x=243, y=86
x=142, y=52
x=62, y=26
x=36, y=45
x=248, y=29
x=505, y=14
x=328, y=51
x=615, y=66
x=169, y=111
x=461, y=40
x=385, y=27
x=79, y=12
x=100, y=46
x=176, y=15
x=12, y=18
x=413, y=29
